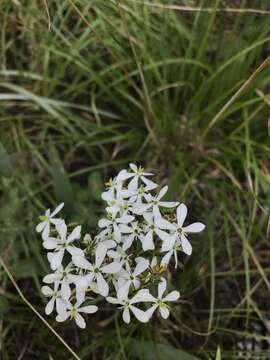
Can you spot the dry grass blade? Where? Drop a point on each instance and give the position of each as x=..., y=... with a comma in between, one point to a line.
x=48, y=14
x=2, y=263
x=201, y=9
x=252, y=77
x=258, y=265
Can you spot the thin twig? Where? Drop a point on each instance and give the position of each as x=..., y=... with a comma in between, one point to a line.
x=201, y=9
x=252, y=77
x=2, y=263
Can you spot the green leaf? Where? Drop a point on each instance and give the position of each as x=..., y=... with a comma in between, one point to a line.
x=149, y=350
x=218, y=354
x=5, y=163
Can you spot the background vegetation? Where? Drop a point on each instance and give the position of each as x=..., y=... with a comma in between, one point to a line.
x=115, y=81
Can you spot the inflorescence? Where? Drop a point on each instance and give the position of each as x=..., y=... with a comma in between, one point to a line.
x=127, y=259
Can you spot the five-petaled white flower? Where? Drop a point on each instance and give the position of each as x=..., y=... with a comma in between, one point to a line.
x=55, y=299
x=154, y=203
x=62, y=244
x=97, y=270
x=179, y=232
x=74, y=312
x=44, y=226
x=113, y=222
x=128, y=304
x=138, y=173
x=160, y=301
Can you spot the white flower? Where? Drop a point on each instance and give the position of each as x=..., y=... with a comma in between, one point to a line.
x=155, y=202
x=64, y=277
x=44, y=226
x=55, y=300
x=113, y=222
x=74, y=312
x=128, y=277
x=178, y=231
x=138, y=173
x=96, y=270
x=121, y=256
x=128, y=305
x=160, y=301
x=133, y=231
x=62, y=243
x=116, y=199
x=154, y=225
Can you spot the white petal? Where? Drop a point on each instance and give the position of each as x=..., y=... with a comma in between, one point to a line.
x=162, y=192
x=90, y=309
x=51, y=278
x=163, y=235
x=82, y=263
x=181, y=214
x=57, y=209
x=46, y=290
x=111, y=268
x=104, y=223
x=102, y=286
x=141, y=267
x=166, y=259
x=140, y=209
x=49, y=307
x=100, y=254
x=156, y=211
x=168, y=204
x=76, y=234
x=63, y=316
x=168, y=244
x=187, y=248
x=194, y=228
x=164, y=224
x=126, y=316
x=125, y=219
x=56, y=259
x=172, y=296
x=150, y=185
x=161, y=288
x=124, y=175
x=40, y=226
x=133, y=184
x=60, y=306
x=49, y=244
x=148, y=243
x=113, y=300
x=74, y=251
x=46, y=231
x=65, y=290
x=117, y=233
x=133, y=167
x=139, y=314
x=142, y=295
x=164, y=312
x=62, y=229
x=80, y=321
x=128, y=242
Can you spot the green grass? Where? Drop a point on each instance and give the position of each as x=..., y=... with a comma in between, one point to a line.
x=76, y=105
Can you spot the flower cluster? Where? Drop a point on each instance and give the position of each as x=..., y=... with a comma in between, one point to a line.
x=126, y=261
